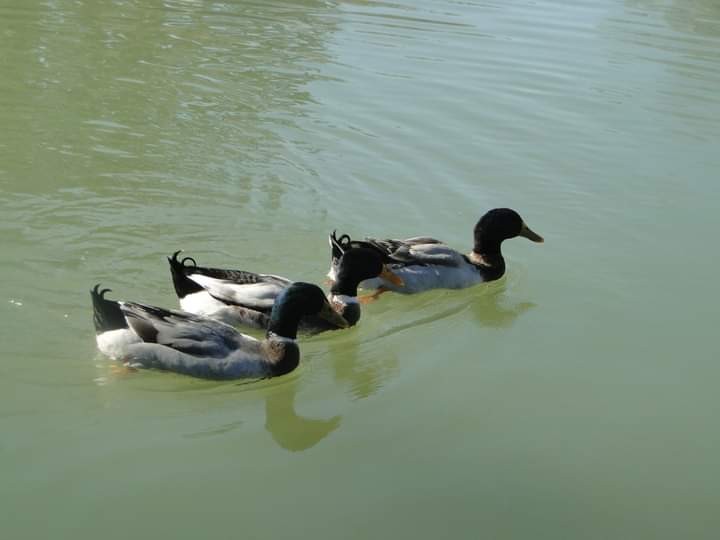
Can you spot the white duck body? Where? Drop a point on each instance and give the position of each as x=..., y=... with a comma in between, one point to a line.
x=418, y=278
x=201, y=303
x=424, y=263
x=114, y=343
x=238, y=297
x=152, y=337
x=246, y=361
x=260, y=294
x=234, y=297
x=204, y=304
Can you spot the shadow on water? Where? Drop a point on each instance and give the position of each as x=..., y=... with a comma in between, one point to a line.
x=492, y=309
x=288, y=429
x=362, y=368
x=488, y=305
x=363, y=365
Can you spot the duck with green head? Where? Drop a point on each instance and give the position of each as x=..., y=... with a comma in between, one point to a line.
x=424, y=263
x=152, y=337
x=243, y=298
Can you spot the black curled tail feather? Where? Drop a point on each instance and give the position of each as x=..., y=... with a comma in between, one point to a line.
x=180, y=264
x=339, y=244
x=178, y=270
x=106, y=313
x=336, y=249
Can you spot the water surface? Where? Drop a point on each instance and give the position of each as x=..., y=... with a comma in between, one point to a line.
x=575, y=398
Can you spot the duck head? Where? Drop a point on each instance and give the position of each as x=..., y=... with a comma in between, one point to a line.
x=497, y=225
x=359, y=264
x=298, y=300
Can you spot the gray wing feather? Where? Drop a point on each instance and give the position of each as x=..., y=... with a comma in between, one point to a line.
x=181, y=331
x=191, y=344
x=419, y=250
x=439, y=254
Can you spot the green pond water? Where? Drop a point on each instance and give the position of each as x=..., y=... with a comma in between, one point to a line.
x=574, y=399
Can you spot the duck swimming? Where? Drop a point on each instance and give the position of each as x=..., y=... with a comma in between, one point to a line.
x=153, y=337
x=238, y=297
x=426, y=263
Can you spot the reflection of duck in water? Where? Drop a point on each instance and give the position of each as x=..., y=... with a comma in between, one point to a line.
x=490, y=310
x=426, y=263
x=152, y=337
x=290, y=430
x=238, y=297
x=363, y=374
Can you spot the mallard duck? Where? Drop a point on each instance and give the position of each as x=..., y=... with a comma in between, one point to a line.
x=244, y=298
x=426, y=263
x=153, y=337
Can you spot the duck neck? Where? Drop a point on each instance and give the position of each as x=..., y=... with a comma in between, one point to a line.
x=345, y=287
x=487, y=256
x=488, y=246
x=284, y=322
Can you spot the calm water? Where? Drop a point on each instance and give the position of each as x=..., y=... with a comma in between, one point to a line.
x=576, y=398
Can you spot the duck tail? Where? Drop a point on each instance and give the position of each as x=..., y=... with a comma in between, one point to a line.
x=338, y=245
x=107, y=314
x=178, y=270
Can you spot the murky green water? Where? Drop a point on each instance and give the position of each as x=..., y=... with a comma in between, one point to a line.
x=576, y=398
